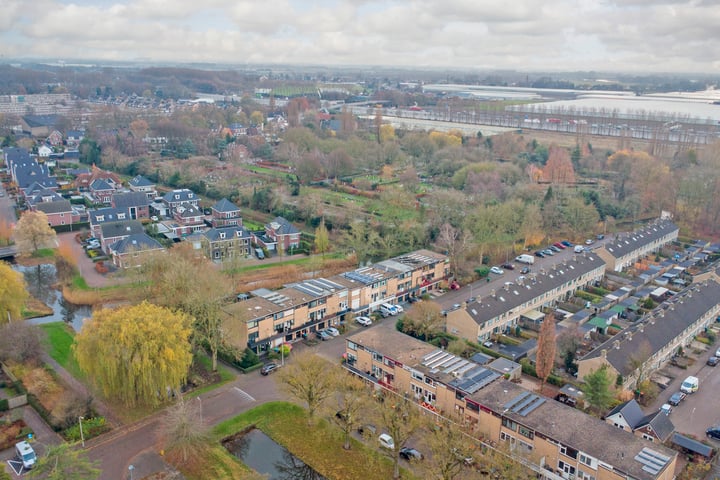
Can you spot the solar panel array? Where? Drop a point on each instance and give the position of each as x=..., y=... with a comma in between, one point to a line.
x=475, y=380
x=471, y=377
x=524, y=403
x=359, y=277
x=653, y=462
x=317, y=287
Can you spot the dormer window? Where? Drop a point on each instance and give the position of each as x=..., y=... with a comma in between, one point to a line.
x=222, y=234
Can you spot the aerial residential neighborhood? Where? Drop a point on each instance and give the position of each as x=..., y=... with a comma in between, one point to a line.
x=289, y=274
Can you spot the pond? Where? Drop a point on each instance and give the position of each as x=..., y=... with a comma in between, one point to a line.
x=41, y=280
x=262, y=454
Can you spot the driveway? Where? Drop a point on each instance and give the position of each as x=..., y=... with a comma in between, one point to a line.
x=85, y=264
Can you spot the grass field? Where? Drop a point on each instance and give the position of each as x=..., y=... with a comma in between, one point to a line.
x=319, y=445
x=60, y=340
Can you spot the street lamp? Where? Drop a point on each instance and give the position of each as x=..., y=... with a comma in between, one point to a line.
x=82, y=436
x=130, y=469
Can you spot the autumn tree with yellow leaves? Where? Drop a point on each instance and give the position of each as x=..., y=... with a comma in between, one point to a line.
x=137, y=354
x=33, y=232
x=13, y=293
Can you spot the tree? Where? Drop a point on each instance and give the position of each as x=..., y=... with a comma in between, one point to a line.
x=184, y=433
x=13, y=293
x=309, y=379
x=423, y=320
x=64, y=462
x=401, y=419
x=20, y=342
x=637, y=363
x=545, y=358
x=451, y=451
x=322, y=240
x=33, y=232
x=351, y=398
x=597, y=389
x=137, y=354
x=559, y=167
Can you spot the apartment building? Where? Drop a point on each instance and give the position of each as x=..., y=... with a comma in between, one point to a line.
x=481, y=317
x=625, y=249
x=555, y=440
x=650, y=343
x=271, y=317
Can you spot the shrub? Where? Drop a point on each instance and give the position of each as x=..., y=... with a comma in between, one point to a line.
x=92, y=427
x=4, y=405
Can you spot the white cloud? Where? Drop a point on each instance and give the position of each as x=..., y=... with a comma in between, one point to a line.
x=641, y=35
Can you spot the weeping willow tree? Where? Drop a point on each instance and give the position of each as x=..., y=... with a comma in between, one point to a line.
x=136, y=354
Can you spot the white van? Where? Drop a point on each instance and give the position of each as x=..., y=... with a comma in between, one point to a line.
x=579, y=249
x=525, y=258
x=690, y=385
x=25, y=454
x=387, y=310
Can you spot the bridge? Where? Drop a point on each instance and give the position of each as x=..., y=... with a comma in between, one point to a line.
x=8, y=252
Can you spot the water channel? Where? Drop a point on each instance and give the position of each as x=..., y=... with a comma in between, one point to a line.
x=41, y=280
x=262, y=454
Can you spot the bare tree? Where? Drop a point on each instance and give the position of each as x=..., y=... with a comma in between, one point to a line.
x=184, y=433
x=309, y=379
x=545, y=358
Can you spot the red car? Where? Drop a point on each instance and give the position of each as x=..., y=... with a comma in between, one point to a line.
x=559, y=245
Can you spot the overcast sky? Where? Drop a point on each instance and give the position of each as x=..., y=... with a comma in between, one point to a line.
x=525, y=35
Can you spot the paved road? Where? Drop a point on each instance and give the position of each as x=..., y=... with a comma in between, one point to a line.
x=7, y=208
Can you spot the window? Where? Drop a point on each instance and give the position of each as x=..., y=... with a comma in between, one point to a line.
x=588, y=460
x=417, y=376
x=647, y=437
x=352, y=346
x=377, y=357
x=568, y=452
x=526, y=432
x=585, y=476
x=252, y=324
x=507, y=423
x=525, y=446
x=564, y=467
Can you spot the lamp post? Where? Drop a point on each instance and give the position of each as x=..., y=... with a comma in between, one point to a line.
x=82, y=436
x=130, y=469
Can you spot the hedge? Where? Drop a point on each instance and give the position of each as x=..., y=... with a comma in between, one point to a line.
x=4, y=406
x=529, y=369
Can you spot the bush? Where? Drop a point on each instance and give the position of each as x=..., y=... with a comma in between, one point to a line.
x=4, y=405
x=92, y=427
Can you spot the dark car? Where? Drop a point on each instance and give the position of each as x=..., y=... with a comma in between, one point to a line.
x=566, y=243
x=269, y=368
x=525, y=270
x=410, y=454
x=713, y=432
x=367, y=428
x=508, y=266
x=713, y=361
x=539, y=254
x=676, y=398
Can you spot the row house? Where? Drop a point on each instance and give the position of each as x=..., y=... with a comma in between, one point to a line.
x=225, y=243
x=26, y=172
x=101, y=191
x=393, y=280
x=648, y=344
x=175, y=198
x=318, y=303
x=555, y=440
x=225, y=214
x=136, y=204
x=132, y=250
x=141, y=184
x=479, y=318
x=187, y=220
x=100, y=216
x=280, y=235
x=625, y=249
x=58, y=210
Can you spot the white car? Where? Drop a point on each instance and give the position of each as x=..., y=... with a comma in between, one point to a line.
x=497, y=270
x=333, y=331
x=399, y=308
x=386, y=441
x=717, y=353
x=364, y=321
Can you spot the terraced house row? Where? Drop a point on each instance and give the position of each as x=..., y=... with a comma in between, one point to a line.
x=267, y=318
x=553, y=439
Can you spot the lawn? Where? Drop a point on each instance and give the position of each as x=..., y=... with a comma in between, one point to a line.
x=319, y=445
x=225, y=375
x=60, y=340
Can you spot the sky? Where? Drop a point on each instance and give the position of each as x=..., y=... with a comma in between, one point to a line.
x=524, y=35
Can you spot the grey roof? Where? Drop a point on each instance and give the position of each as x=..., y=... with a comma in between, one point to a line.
x=570, y=427
x=481, y=358
x=184, y=195
x=660, y=423
x=75, y=133
x=225, y=205
x=189, y=211
x=130, y=199
x=42, y=195
x=630, y=411
x=571, y=391
x=27, y=173
x=213, y=235
x=140, y=181
x=137, y=242
x=535, y=285
x=56, y=206
x=692, y=445
x=108, y=214
x=517, y=352
x=121, y=229
x=100, y=184
x=503, y=365
x=41, y=120
x=282, y=226
x=661, y=326
x=626, y=243
x=16, y=154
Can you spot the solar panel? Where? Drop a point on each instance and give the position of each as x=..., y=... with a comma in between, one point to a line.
x=516, y=400
x=537, y=402
x=359, y=277
x=653, y=462
x=519, y=406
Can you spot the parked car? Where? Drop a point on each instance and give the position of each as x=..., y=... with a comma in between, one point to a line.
x=717, y=352
x=549, y=252
x=410, y=454
x=399, y=308
x=555, y=249
x=367, y=428
x=323, y=335
x=589, y=241
x=525, y=270
x=666, y=409
x=25, y=454
x=539, y=254
x=560, y=245
x=364, y=321
x=497, y=270
x=566, y=243
x=676, y=398
x=386, y=441
x=333, y=331
x=269, y=368
x=713, y=361
x=713, y=432
x=508, y=266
